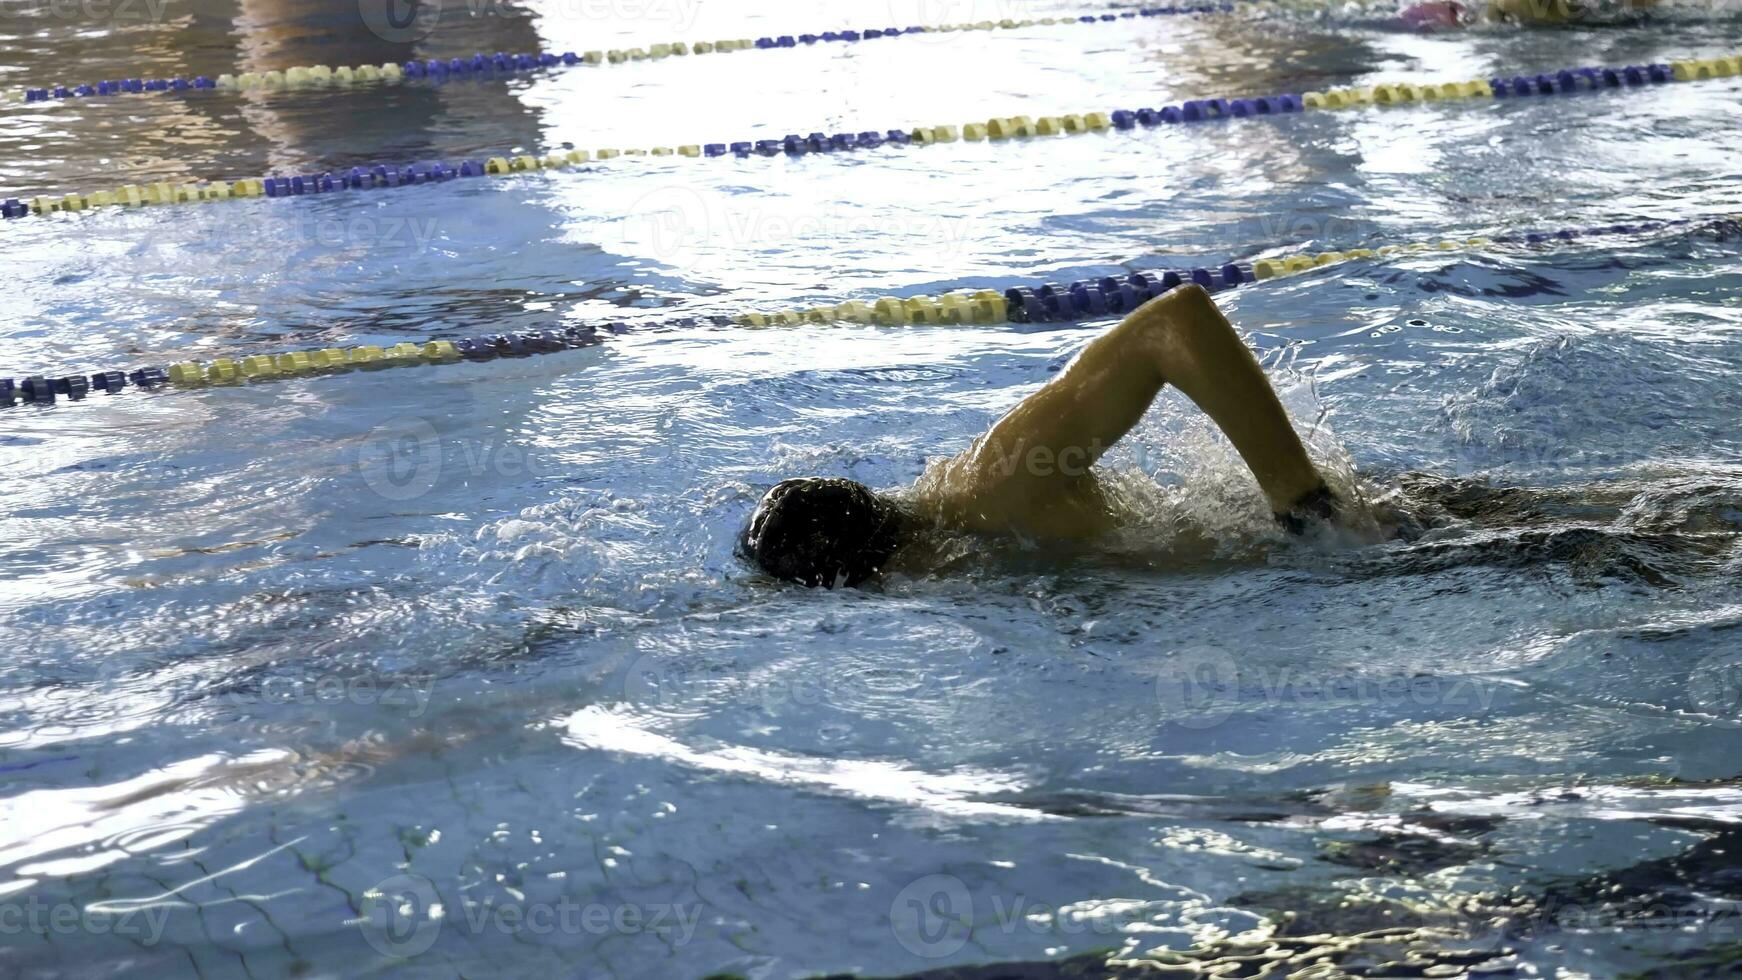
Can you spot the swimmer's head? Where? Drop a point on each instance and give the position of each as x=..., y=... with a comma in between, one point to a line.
x=1435, y=14
x=820, y=531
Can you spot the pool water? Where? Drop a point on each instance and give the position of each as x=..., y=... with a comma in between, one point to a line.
x=452, y=671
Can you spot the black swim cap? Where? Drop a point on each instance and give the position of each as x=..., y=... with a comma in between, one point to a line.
x=820, y=531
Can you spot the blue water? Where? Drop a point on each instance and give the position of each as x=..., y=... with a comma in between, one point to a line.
x=453, y=672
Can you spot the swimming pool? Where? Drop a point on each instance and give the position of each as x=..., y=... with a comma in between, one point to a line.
x=452, y=670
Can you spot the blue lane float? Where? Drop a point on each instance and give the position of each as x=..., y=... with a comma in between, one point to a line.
x=1192, y=111
x=500, y=65
x=1084, y=299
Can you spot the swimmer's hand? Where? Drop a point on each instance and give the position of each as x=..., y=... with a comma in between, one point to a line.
x=1318, y=505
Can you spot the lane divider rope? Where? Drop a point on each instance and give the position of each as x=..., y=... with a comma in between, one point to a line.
x=1116, y=296
x=1046, y=303
x=1565, y=81
x=486, y=66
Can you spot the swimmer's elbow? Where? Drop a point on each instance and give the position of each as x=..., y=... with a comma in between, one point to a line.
x=1188, y=295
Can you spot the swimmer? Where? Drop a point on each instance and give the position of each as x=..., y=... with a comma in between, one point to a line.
x=1030, y=473
x=1436, y=14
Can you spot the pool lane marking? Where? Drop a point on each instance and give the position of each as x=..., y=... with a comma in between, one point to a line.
x=1046, y=303
x=1565, y=81
x=500, y=65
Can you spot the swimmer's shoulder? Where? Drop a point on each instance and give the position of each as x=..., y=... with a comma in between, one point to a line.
x=954, y=496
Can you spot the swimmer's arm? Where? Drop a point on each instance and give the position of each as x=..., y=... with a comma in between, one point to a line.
x=1555, y=11
x=1559, y=11
x=1179, y=338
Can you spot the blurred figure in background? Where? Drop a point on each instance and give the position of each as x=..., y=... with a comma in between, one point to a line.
x=1444, y=14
